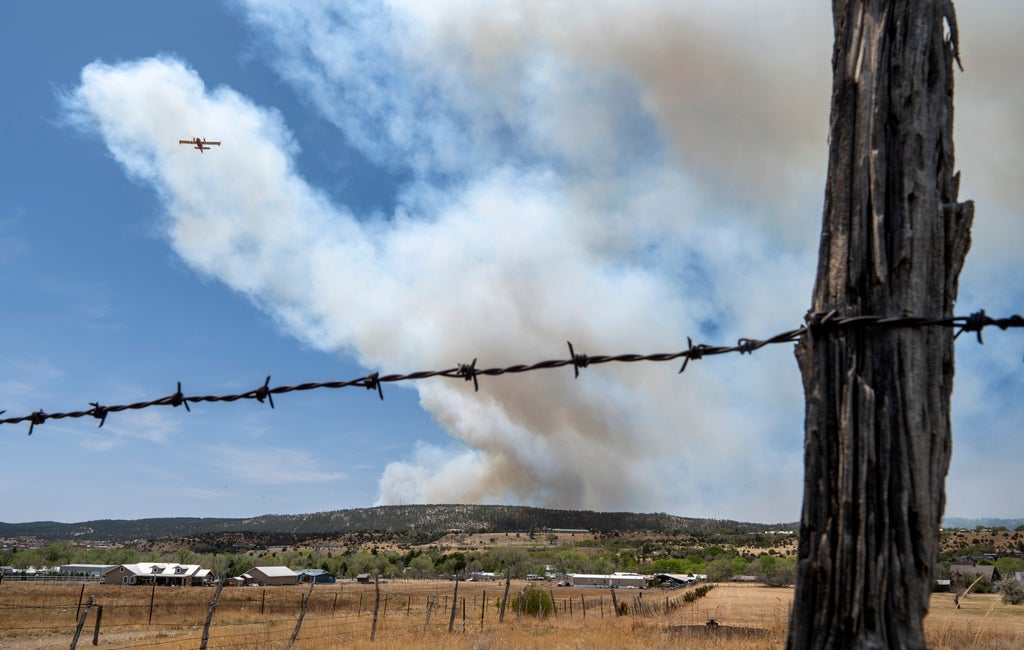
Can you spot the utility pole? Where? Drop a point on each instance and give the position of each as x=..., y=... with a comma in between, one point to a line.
x=893, y=241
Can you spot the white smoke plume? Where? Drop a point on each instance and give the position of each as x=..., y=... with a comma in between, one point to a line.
x=621, y=178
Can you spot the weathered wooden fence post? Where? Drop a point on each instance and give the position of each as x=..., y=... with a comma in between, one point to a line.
x=430, y=608
x=504, y=599
x=893, y=240
x=152, y=599
x=615, y=602
x=302, y=613
x=81, y=622
x=455, y=606
x=376, y=605
x=209, y=614
x=96, y=631
x=81, y=595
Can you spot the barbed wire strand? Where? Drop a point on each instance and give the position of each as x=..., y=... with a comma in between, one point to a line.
x=815, y=323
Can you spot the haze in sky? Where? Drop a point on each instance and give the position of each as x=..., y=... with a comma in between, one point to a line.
x=408, y=186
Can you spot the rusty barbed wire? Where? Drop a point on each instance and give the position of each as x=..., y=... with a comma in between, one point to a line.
x=814, y=323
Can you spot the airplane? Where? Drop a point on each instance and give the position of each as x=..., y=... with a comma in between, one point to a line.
x=200, y=143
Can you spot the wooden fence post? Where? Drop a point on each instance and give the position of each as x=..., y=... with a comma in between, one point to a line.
x=430, y=608
x=78, y=609
x=152, y=598
x=96, y=632
x=483, y=610
x=302, y=613
x=504, y=599
x=894, y=238
x=209, y=614
x=455, y=605
x=81, y=622
x=615, y=602
x=376, y=604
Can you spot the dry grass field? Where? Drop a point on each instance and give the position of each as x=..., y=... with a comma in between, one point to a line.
x=167, y=618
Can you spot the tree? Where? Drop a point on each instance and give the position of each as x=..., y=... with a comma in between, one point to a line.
x=894, y=238
x=1012, y=590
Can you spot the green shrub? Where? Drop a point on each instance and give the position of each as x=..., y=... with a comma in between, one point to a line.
x=535, y=601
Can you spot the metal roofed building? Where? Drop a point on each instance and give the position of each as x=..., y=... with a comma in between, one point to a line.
x=614, y=580
x=85, y=570
x=318, y=576
x=272, y=575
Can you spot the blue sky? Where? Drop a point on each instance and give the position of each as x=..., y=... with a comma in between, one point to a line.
x=408, y=186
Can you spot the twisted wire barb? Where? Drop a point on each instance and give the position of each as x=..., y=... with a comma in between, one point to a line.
x=815, y=324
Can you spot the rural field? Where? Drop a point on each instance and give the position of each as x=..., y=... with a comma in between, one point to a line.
x=413, y=614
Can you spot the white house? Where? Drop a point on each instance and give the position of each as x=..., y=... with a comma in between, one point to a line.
x=158, y=573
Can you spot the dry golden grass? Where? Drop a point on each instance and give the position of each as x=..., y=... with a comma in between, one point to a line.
x=44, y=616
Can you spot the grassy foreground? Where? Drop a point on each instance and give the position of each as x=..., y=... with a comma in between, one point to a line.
x=749, y=617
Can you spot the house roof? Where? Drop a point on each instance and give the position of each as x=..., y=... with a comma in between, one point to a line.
x=311, y=572
x=275, y=571
x=987, y=570
x=169, y=569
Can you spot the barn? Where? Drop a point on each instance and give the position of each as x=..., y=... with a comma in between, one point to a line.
x=271, y=575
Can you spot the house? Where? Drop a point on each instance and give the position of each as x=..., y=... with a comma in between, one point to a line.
x=317, y=576
x=271, y=575
x=364, y=578
x=971, y=572
x=158, y=573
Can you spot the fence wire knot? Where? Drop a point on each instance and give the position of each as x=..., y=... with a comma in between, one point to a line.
x=36, y=418
x=578, y=360
x=99, y=412
x=747, y=346
x=693, y=352
x=263, y=393
x=372, y=381
x=820, y=320
x=974, y=323
x=469, y=372
x=178, y=399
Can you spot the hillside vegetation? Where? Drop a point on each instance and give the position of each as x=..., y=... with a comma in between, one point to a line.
x=426, y=518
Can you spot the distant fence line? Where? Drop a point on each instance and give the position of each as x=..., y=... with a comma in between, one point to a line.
x=328, y=610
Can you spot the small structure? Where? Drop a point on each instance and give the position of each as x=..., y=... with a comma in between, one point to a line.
x=971, y=572
x=158, y=573
x=271, y=576
x=671, y=580
x=618, y=580
x=85, y=570
x=363, y=578
x=317, y=576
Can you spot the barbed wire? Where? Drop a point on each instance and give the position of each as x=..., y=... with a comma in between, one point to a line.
x=814, y=323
